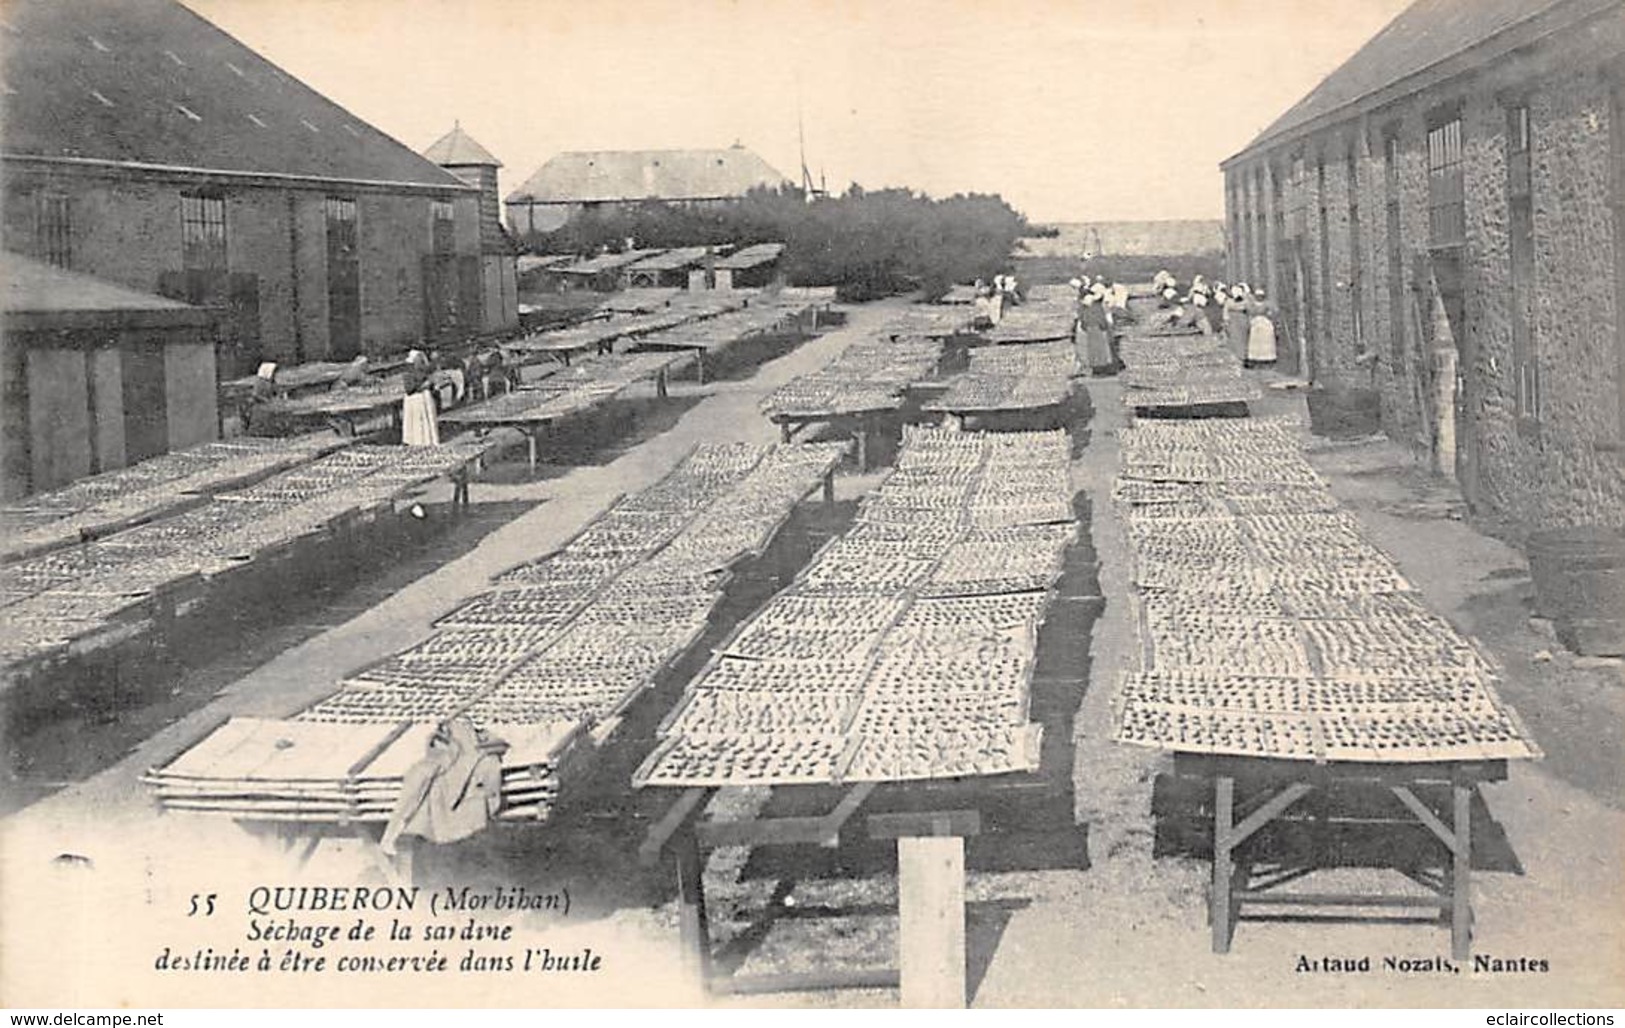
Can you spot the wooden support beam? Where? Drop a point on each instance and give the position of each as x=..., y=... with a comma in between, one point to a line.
x=1425, y=815
x=694, y=926
x=660, y=833
x=931, y=906
x=1219, y=908
x=928, y=824
x=822, y=830
x=1268, y=811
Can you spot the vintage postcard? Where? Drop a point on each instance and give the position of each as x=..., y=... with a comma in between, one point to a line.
x=834, y=504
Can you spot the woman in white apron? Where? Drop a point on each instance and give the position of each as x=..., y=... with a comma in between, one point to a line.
x=418, y=424
x=1261, y=331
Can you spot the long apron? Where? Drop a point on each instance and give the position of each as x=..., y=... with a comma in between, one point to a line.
x=418, y=424
x=1261, y=339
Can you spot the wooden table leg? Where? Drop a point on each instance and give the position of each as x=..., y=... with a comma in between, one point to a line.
x=829, y=488
x=1219, y=906
x=660, y=383
x=699, y=365
x=863, y=445
x=530, y=442
x=1461, y=901
x=931, y=907
x=784, y=431
x=694, y=926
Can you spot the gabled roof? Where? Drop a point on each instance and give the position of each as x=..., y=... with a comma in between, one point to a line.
x=150, y=82
x=457, y=148
x=605, y=175
x=1426, y=34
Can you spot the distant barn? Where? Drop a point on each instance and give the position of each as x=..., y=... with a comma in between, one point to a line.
x=573, y=182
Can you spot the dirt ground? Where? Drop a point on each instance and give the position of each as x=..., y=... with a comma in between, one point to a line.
x=1097, y=902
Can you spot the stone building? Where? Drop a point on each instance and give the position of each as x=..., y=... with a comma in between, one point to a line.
x=571, y=183
x=1469, y=160
x=474, y=165
x=146, y=147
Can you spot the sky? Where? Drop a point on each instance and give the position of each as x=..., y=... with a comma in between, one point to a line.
x=1073, y=111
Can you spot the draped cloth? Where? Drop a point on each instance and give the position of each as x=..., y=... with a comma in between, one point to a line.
x=453, y=792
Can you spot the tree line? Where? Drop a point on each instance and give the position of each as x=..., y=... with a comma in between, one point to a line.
x=867, y=244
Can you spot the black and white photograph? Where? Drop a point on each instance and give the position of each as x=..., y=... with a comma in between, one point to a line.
x=837, y=504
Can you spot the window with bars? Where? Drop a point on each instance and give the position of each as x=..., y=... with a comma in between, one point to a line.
x=1447, y=200
x=1521, y=248
x=341, y=227
x=443, y=222
x=203, y=231
x=53, y=230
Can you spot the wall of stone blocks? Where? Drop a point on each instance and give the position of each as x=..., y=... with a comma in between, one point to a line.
x=1567, y=468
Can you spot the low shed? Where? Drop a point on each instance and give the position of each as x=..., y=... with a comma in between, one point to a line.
x=95, y=376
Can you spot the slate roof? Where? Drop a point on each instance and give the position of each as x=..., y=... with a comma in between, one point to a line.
x=457, y=148
x=1424, y=35
x=150, y=82
x=607, y=175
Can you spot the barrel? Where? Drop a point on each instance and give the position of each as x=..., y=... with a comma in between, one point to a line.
x=1579, y=576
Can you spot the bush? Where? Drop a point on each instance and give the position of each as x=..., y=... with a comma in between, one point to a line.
x=866, y=244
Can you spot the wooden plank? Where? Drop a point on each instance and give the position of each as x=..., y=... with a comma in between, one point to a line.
x=932, y=824
x=808, y=981
x=931, y=905
x=1461, y=907
x=1340, y=899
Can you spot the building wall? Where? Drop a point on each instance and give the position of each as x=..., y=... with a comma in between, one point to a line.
x=65, y=414
x=1566, y=466
x=128, y=231
x=58, y=417
x=189, y=387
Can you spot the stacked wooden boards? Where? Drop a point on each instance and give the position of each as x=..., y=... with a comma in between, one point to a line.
x=905, y=649
x=559, y=646
x=1163, y=372
x=1011, y=378
x=52, y=603
x=102, y=503
x=1271, y=627
x=869, y=375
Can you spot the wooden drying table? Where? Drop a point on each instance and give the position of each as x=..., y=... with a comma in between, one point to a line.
x=341, y=410
x=533, y=425
x=859, y=425
x=1251, y=792
x=930, y=889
